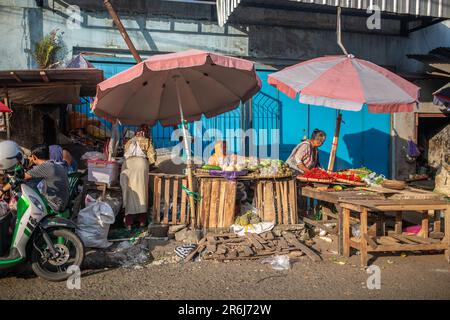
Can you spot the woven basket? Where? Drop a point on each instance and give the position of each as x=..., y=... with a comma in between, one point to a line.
x=394, y=184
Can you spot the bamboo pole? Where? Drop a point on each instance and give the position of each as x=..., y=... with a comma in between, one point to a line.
x=188, y=155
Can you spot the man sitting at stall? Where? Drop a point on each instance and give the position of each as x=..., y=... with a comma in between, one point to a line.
x=53, y=176
x=50, y=175
x=305, y=155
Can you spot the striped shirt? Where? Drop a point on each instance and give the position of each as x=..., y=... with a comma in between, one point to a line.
x=304, y=153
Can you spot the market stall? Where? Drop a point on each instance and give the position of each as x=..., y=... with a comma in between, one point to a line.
x=379, y=219
x=263, y=188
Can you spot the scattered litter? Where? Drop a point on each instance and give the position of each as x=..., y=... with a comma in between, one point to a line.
x=356, y=230
x=442, y=270
x=322, y=233
x=403, y=255
x=130, y=254
x=413, y=229
x=184, y=250
x=390, y=262
x=339, y=262
x=278, y=262
x=326, y=239
x=257, y=228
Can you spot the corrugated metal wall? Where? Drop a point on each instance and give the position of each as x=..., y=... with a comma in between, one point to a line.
x=428, y=8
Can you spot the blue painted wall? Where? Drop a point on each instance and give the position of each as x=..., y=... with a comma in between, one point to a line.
x=364, y=138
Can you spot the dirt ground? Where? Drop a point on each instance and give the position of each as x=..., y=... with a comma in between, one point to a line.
x=414, y=276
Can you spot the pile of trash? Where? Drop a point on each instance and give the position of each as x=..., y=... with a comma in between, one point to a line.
x=130, y=254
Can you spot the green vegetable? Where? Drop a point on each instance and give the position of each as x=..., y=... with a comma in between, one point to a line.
x=210, y=167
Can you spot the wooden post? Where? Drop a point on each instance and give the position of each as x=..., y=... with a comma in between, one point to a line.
x=425, y=224
x=362, y=240
x=346, y=231
x=398, y=222
x=446, y=239
x=122, y=30
x=335, y=142
x=437, y=221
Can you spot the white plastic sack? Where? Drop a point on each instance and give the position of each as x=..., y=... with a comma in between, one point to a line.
x=252, y=228
x=93, y=224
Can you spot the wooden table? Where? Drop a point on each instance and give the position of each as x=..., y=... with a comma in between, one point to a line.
x=396, y=240
x=358, y=194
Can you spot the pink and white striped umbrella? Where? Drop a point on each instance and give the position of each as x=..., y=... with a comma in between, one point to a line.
x=204, y=83
x=347, y=83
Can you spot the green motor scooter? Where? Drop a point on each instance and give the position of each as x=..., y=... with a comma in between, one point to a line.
x=40, y=237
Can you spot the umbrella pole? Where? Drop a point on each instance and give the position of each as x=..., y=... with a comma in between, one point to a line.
x=188, y=157
x=334, y=145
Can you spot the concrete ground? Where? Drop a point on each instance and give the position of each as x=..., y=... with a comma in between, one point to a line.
x=413, y=276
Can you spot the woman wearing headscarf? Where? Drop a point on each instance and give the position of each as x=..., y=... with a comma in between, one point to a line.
x=134, y=179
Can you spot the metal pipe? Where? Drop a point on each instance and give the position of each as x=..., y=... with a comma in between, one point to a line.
x=338, y=31
x=122, y=30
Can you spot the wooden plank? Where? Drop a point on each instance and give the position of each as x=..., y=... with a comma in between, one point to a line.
x=213, y=213
x=278, y=200
x=409, y=247
x=421, y=239
x=401, y=238
x=384, y=240
x=175, y=201
x=285, y=203
x=363, y=232
x=437, y=221
x=157, y=203
x=201, y=246
x=206, y=203
x=346, y=232
x=247, y=251
x=269, y=204
x=446, y=240
x=370, y=241
x=221, y=213
x=166, y=200
x=259, y=238
x=293, y=201
x=292, y=239
x=230, y=204
x=183, y=213
x=254, y=242
x=259, y=199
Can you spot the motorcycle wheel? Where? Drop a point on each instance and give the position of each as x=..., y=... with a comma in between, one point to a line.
x=71, y=253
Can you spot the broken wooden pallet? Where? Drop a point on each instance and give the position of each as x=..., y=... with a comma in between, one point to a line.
x=251, y=246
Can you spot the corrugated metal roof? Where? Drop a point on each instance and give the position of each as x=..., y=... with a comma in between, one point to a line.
x=425, y=8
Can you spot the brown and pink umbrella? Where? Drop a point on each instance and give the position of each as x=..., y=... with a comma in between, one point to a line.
x=346, y=83
x=175, y=88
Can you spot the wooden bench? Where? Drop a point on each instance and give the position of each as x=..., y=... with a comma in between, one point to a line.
x=395, y=240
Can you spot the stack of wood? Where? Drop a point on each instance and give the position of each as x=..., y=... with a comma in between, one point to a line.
x=230, y=246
